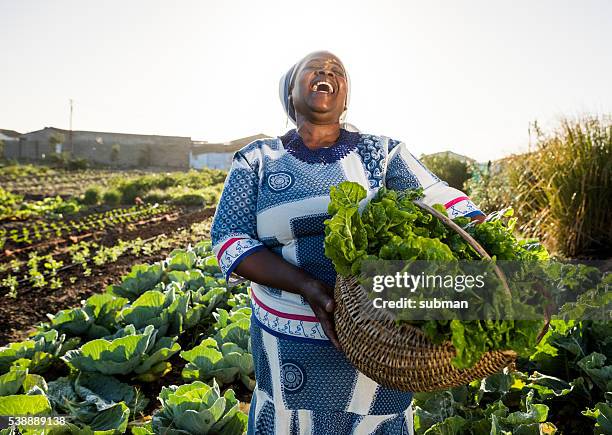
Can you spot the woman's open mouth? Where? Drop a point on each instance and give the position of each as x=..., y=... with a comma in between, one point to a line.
x=323, y=86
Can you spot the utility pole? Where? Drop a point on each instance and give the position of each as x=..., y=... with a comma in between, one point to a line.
x=70, y=134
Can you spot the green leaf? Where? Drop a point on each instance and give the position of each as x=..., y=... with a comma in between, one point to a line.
x=345, y=195
x=594, y=366
x=180, y=259
x=451, y=426
x=198, y=408
x=75, y=321
x=141, y=278
x=24, y=405
x=602, y=413
x=117, y=356
x=11, y=382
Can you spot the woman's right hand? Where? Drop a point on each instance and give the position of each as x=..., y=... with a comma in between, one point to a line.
x=270, y=269
x=320, y=298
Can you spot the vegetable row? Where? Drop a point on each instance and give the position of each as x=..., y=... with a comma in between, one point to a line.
x=129, y=336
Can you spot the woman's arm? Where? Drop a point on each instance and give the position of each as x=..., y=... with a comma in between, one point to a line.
x=404, y=171
x=267, y=268
x=239, y=250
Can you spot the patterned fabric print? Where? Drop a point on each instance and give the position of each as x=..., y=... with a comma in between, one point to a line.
x=260, y=360
x=309, y=231
x=251, y=421
x=308, y=180
x=345, y=144
x=326, y=423
x=230, y=256
x=392, y=144
x=373, y=157
x=239, y=206
x=293, y=376
x=311, y=257
x=395, y=426
x=328, y=377
x=435, y=177
x=293, y=329
x=273, y=143
x=399, y=176
x=462, y=208
x=265, y=420
x=388, y=401
x=295, y=424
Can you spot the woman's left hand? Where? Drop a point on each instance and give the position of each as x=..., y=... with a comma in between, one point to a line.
x=479, y=218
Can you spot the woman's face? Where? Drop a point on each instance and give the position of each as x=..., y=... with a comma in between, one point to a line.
x=320, y=88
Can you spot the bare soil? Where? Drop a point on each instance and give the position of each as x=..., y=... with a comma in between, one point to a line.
x=19, y=316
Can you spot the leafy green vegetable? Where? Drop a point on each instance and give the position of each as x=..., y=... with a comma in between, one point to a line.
x=163, y=310
x=226, y=363
x=198, y=408
x=19, y=381
x=24, y=404
x=181, y=259
x=393, y=227
x=141, y=278
x=135, y=352
x=96, y=402
x=602, y=414
x=36, y=354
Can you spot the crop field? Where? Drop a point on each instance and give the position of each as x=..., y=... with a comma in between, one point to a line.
x=59, y=245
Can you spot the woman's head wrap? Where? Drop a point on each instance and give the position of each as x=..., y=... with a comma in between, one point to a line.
x=286, y=85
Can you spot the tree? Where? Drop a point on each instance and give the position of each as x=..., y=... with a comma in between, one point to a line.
x=54, y=140
x=1, y=149
x=114, y=156
x=450, y=169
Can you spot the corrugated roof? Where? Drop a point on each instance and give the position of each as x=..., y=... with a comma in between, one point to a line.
x=200, y=147
x=10, y=133
x=60, y=130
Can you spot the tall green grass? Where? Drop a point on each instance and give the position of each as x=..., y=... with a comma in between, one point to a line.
x=563, y=188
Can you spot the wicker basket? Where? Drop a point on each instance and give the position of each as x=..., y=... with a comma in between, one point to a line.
x=401, y=357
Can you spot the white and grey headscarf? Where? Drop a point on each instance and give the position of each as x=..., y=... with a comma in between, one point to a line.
x=284, y=89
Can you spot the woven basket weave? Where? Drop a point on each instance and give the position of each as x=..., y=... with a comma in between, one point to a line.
x=401, y=357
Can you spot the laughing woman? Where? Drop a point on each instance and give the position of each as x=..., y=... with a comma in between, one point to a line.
x=269, y=229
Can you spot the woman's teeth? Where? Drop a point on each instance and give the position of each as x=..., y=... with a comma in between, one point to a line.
x=324, y=87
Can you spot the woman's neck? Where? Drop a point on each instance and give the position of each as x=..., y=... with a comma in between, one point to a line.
x=317, y=136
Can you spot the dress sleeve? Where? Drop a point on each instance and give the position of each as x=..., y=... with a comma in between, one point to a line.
x=234, y=228
x=404, y=171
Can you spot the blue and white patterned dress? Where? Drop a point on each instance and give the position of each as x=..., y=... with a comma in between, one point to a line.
x=276, y=197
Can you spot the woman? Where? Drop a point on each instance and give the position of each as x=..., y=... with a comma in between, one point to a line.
x=269, y=229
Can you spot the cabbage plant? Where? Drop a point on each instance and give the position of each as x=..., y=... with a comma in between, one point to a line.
x=130, y=351
x=22, y=393
x=226, y=363
x=36, y=353
x=198, y=409
x=95, y=319
x=96, y=402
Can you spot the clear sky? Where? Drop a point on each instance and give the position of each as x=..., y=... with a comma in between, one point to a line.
x=462, y=75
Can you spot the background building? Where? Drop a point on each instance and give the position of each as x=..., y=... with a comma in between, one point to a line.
x=121, y=150
x=10, y=141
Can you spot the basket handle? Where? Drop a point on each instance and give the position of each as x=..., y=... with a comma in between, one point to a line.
x=469, y=239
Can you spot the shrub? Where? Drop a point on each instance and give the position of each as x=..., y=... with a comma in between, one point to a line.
x=489, y=186
x=77, y=164
x=450, y=169
x=190, y=198
x=112, y=198
x=92, y=196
